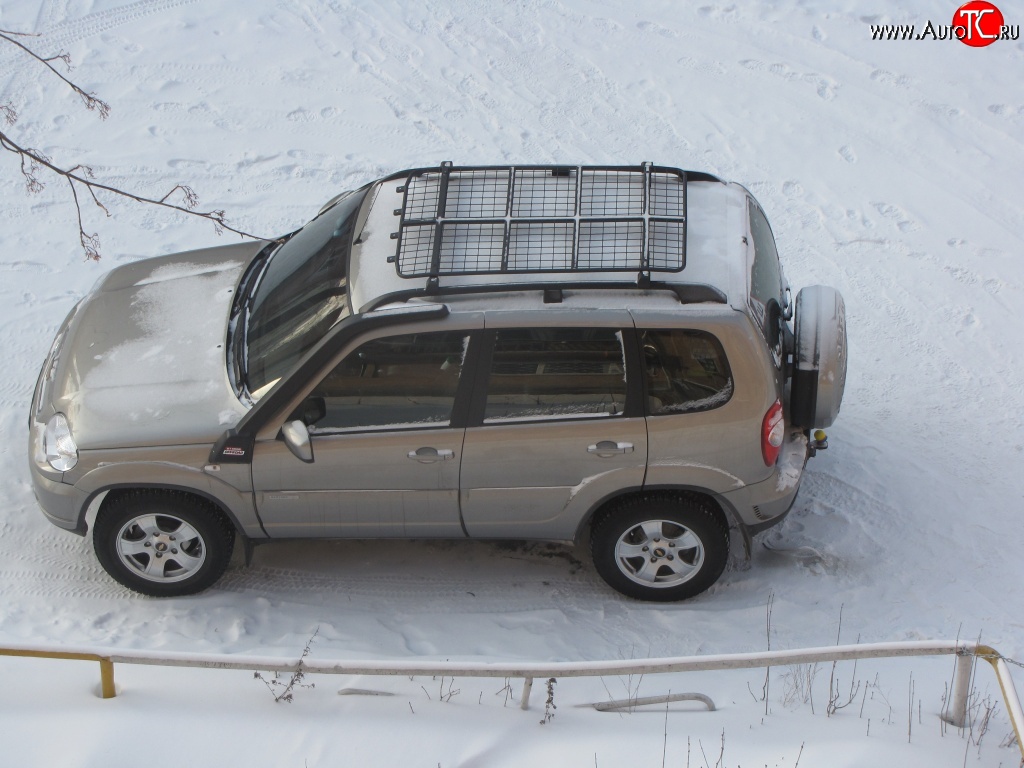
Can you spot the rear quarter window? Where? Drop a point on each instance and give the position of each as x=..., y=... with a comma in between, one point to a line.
x=685, y=371
x=766, y=291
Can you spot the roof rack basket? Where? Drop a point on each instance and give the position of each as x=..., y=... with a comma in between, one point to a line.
x=502, y=220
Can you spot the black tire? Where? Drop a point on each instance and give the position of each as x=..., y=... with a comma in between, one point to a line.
x=162, y=543
x=661, y=523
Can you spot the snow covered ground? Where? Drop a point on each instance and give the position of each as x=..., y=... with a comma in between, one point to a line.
x=889, y=169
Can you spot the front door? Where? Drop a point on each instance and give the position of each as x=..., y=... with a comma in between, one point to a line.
x=385, y=454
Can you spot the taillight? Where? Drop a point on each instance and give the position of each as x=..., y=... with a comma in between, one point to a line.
x=773, y=429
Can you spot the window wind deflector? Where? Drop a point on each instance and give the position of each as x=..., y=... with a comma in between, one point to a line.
x=496, y=220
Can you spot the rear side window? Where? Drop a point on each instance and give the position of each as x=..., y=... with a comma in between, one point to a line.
x=685, y=371
x=555, y=373
x=399, y=381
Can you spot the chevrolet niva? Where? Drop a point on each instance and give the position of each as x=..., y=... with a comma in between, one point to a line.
x=554, y=353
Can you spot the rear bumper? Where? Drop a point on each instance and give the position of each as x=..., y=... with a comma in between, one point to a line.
x=764, y=504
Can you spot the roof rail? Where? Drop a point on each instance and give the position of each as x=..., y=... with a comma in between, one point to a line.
x=687, y=293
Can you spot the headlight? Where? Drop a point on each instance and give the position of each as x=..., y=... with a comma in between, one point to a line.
x=58, y=445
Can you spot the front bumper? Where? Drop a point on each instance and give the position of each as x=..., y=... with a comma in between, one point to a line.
x=62, y=504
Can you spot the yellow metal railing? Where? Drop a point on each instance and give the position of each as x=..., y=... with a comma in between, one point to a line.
x=956, y=712
x=107, y=690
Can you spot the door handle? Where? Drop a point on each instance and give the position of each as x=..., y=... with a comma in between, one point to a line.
x=607, y=448
x=428, y=455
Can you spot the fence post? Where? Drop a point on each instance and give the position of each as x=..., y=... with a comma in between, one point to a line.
x=107, y=690
x=956, y=712
x=1009, y=691
x=527, y=687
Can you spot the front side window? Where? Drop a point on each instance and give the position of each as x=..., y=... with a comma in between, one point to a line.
x=397, y=382
x=686, y=371
x=556, y=373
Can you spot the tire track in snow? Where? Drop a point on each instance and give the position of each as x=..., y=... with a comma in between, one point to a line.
x=413, y=593
x=62, y=566
x=51, y=12
x=463, y=587
x=73, y=30
x=54, y=37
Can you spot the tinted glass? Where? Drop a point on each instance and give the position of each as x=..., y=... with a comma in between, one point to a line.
x=400, y=381
x=765, y=278
x=686, y=371
x=556, y=373
x=302, y=293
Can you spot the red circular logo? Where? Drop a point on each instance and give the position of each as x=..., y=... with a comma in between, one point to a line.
x=977, y=23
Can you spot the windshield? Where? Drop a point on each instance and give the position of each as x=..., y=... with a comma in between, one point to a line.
x=302, y=293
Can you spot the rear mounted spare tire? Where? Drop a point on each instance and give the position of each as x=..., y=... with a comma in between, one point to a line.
x=819, y=371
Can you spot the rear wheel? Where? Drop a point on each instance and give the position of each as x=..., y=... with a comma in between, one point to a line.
x=162, y=543
x=660, y=548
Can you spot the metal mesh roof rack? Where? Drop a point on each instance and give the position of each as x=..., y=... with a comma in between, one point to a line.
x=502, y=220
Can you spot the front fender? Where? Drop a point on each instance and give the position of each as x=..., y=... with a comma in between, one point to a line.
x=228, y=486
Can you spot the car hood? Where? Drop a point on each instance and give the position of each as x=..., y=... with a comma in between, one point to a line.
x=143, y=362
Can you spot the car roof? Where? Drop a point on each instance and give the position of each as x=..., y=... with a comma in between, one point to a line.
x=507, y=229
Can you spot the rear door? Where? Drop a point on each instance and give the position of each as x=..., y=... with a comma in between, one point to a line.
x=556, y=428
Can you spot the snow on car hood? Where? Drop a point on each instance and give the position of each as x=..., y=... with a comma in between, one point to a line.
x=144, y=362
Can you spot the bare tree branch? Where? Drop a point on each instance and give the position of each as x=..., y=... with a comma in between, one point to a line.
x=191, y=199
x=91, y=101
x=90, y=243
x=32, y=161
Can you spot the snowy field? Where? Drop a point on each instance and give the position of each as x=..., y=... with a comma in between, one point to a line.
x=889, y=169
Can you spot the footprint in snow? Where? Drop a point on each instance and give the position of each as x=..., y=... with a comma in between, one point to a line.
x=806, y=556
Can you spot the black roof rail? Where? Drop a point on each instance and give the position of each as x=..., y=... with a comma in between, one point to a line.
x=687, y=293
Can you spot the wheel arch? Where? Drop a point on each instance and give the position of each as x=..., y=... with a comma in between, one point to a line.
x=138, y=541
x=719, y=506
x=117, y=491
x=633, y=545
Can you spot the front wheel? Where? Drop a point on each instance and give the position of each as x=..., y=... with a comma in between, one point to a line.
x=162, y=544
x=660, y=549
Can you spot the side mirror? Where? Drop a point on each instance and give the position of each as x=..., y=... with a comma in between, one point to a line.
x=296, y=437
x=310, y=411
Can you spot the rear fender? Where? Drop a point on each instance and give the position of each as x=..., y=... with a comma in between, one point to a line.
x=730, y=515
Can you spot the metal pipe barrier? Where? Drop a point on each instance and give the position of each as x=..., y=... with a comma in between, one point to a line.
x=955, y=714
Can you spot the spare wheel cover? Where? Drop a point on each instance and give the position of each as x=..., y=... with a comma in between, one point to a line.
x=819, y=376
